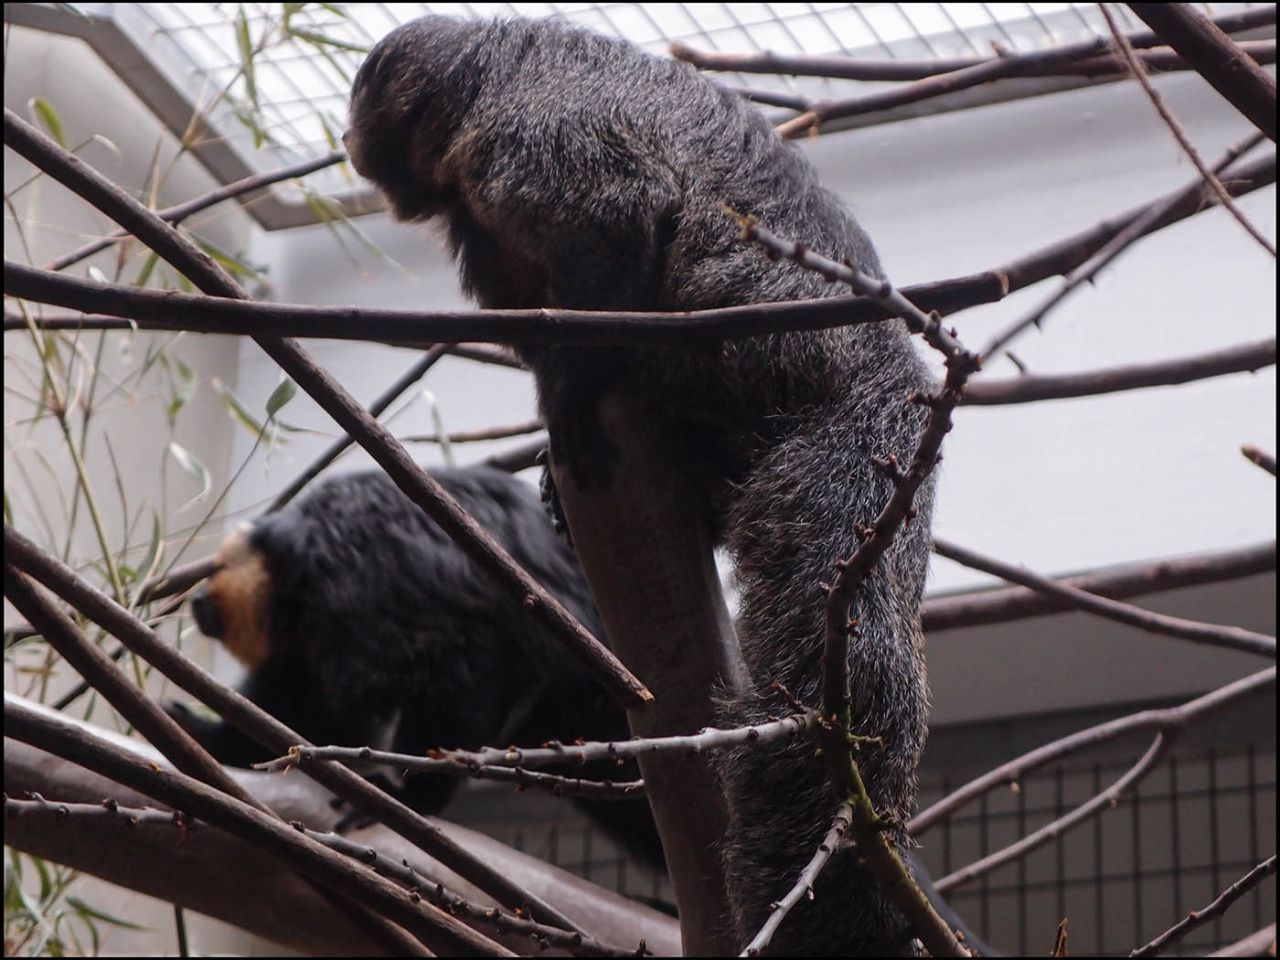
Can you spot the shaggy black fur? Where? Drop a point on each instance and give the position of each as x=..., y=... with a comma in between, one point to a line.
x=575, y=171
x=381, y=631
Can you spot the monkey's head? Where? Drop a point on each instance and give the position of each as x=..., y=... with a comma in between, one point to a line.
x=234, y=605
x=408, y=104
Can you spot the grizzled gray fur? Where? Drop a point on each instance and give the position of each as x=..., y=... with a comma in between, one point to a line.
x=575, y=171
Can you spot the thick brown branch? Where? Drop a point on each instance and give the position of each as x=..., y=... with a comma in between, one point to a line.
x=1016, y=603
x=57, y=815
x=1244, y=358
x=420, y=487
x=439, y=931
x=1231, y=638
x=1165, y=720
x=1217, y=58
x=1198, y=918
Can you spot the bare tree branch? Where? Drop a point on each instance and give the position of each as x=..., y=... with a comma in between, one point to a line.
x=1096, y=805
x=519, y=458
x=58, y=814
x=248, y=718
x=196, y=878
x=1125, y=238
x=205, y=870
x=853, y=68
x=1167, y=720
x=1180, y=134
x=420, y=487
x=180, y=211
x=1198, y=918
x=1266, y=461
x=1232, y=638
x=1218, y=59
x=1016, y=603
x=379, y=406
x=1243, y=358
x=439, y=761
x=1032, y=63
x=804, y=885
x=474, y=436
x=170, y=310
x=335, y=873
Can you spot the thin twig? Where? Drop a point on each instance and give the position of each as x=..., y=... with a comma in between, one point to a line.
x=474, y=436
x=1125, y=238
x=1211, y=634
x=180, y=211
x=691, y=745
x=1180, y=134
x=804, y=884
x=379, y=406
x=1167, y=719
x=1016, y=603
x=1097, y=804
x=1198, y=918
x=1266, y=461
x=1218, y=59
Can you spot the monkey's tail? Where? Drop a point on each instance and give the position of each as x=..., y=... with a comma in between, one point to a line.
x=791, y=522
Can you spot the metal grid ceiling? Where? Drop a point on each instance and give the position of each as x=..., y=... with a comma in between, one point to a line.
x=194, y=50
